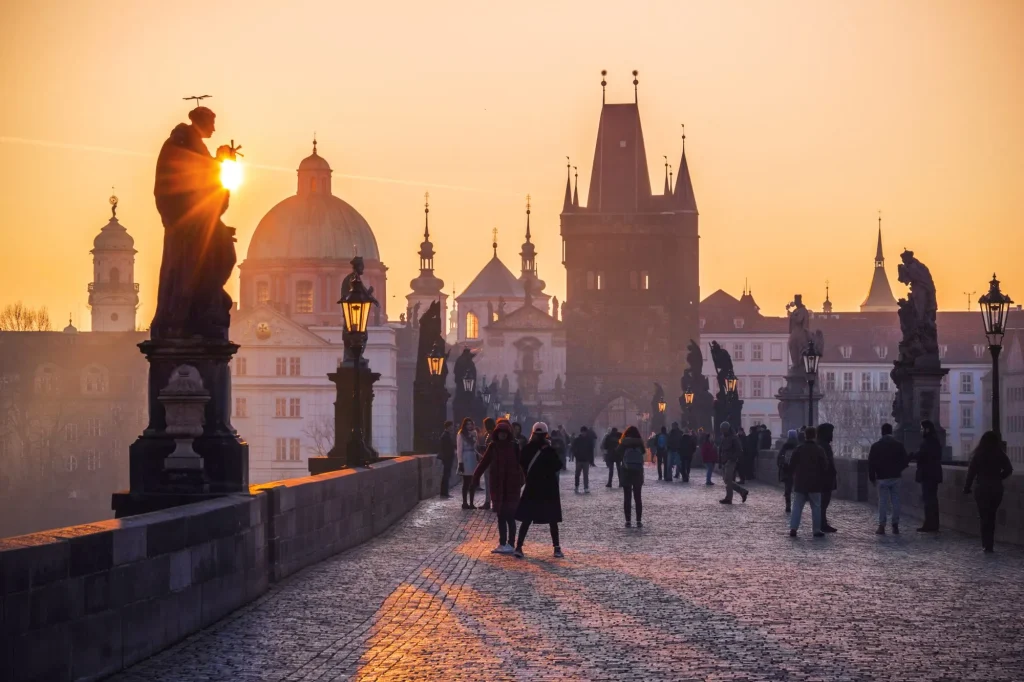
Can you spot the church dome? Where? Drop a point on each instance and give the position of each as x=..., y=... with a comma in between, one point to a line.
x=314, y=223
x=113, y=236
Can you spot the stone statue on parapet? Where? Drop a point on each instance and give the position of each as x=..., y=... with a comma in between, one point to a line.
x=723, y=364
x=693, y=380
x=465, y=368
x=198, y=249
x=917, y=312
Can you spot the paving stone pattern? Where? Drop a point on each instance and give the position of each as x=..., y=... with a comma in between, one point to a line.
x=703, y=592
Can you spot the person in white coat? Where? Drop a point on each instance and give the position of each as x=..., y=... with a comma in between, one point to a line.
x=466, y=451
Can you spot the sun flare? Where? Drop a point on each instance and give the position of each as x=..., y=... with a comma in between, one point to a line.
x=230, y=174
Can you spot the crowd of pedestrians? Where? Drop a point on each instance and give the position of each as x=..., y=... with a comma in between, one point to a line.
x=519, y=475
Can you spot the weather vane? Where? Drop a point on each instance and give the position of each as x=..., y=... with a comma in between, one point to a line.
x=197, y=98
x=527, y=205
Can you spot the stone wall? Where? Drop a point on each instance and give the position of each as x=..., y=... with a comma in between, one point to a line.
x=82, y=602
x=956, y=510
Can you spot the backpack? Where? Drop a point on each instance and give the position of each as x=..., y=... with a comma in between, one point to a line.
x=633, y=458
x=662, y=441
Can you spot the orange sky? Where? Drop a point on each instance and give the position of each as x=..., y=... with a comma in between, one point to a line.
x=802, y=118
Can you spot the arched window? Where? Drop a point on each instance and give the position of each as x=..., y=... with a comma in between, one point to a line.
x=304, y=297
x=115, y=276
x=94, y=380
x=46, y=379
x=262, y=292
x=472, y=326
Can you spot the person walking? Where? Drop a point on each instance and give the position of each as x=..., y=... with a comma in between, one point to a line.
x=989, y=467
x=610, y=447
x=446, y=455
x=583, y=453
x=741, y=463
x=502, y=459
x=661, y=443
x=686, y=451
x=631, y=453
x=675, y=452
x=517, y=434
x=557, y=440
x=810, y=468
x=929, y=475
x=729, y=453
x=708, y=455
x=540, y=501
x=831, y=480
x=467, y=454
x=482, y=441
x=887, y=459
x=784, y=462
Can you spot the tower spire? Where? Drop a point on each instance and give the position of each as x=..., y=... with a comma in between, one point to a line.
x=494, y=241
x=314, y=142
x=683, y=193
x=575, y=188
x=879, y=258
x=636, y=93
x=880, y=298
x=604, y=72
x=426, y=216
x=670, y=179
x=527, y=218
x=668, y=187
x=826, y=307
x=567, y=202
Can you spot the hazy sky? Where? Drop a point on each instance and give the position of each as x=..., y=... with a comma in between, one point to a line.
x=803, y=119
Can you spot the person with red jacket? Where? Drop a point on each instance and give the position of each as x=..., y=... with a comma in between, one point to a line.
x=502, y=458
x=708, y=454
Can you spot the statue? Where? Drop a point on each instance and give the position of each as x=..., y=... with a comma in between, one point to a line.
x=199, y=249
x=917, y=311
x=346, y=286
x=693, y=380
x=464, y=368
x=490, y=312
x=416, y=315
x=554, y=307
x=723, y=364
x=800, y=334
x=501, y=304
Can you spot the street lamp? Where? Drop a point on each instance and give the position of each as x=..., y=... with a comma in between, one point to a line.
x=355, y=305
x=485, y=394
x=468, y=383
x=688, y=397
x=811, y=357
x=995, y=308
x=435, y=359
x=661, y=406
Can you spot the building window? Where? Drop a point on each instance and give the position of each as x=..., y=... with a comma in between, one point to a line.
x=967, y=416
x=280, y=449
x=645, y=280
x=600, y=281
x=472, y=326
x=280, y=407
x=737, y=351
x=757, y=352
x=241, y=368
x=846, y=351
x=865, y=381
x=295, y=407
x=294, y=449
x=737, y=322
x=94, y=427
x=966, y=445
x=757, y=388
x=71, y=432
x=776, y=352
x=944, y=412
x=944, y=384
x=262, y=292
x=847, y=381
x=95, y=381
x=966, y=382
x=883, y=382
x=830, y=381
x=590, y=279
x=702, y=322
x=280, y=366
x=304, y=297
x=46, y=380
x=93, y=461
x=241, y=407
x=294, y=367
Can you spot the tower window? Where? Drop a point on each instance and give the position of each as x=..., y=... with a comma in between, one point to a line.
x=600, y=281
x=645, y=280
x=472, y=326
x=262, y=292
x=115, y=275
x=304, y=297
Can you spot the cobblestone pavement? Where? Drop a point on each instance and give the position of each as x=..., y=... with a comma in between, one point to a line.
x=702, y=592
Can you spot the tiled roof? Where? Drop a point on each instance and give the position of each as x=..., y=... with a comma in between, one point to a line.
x=619, y=181
x=494, y=280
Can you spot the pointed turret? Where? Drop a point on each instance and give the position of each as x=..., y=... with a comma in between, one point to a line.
x=575, y=188
x=427, y=283
x=619, y=180
x=528, y=271
x=667, y=191
x=683, y=193
x=567, y=204
x=880, y=298
x=826, y=307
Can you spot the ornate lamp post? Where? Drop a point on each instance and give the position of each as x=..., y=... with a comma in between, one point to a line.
x=995, y=308
x=688, y=397
x=435, y=361
x=811, y=357
x=468, y=383
x=661, y=407
x=355, y=305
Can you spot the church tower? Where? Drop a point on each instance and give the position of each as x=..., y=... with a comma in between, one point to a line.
x=113, y=293
x=426, y=288
x=632, y=271
x=880, y=298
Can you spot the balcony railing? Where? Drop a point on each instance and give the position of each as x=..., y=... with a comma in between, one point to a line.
x=113, y=287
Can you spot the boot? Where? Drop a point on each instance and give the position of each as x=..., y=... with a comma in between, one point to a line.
x=895, y=529
x=881, y=529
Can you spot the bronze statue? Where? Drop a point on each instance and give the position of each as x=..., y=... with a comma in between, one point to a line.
x=199, y=249
x=346, y=285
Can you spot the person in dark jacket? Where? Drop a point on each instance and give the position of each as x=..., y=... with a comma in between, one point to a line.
x=675, y=452
x=831, y=480
x=583, y=453
x=502, y=458
x=708, y=455
x=765, y=442
x=784, y=463
x=687, y=450
x=929, y=475
x=540, y=502
x=631, y=452
x=446, y=454
x=661, y=453
x=886, y=461
x=989, y=466
x=810, y=468
x=749, y=458
x=610, y=447
x=517, y=435
x=730, y=450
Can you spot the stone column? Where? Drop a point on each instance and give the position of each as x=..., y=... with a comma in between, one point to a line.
x=344, y=381
x=793, y=407
x=918, y=399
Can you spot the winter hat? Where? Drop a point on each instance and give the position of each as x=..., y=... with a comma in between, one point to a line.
x=539, y=427
x=791, y=434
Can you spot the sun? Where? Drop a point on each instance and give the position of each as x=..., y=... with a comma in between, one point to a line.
x=230, y=174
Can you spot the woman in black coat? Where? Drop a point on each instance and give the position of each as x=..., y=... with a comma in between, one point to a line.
x=541, y=501
x=989, y=466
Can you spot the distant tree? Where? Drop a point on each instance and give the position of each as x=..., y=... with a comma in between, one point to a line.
x=857, y=416
x=320, y=430
x=17, y=317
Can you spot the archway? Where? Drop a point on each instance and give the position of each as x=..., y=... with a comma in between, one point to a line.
x=620, y=413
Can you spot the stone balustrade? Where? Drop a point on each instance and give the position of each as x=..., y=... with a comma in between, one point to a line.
x=956, y=510
x=82, y=602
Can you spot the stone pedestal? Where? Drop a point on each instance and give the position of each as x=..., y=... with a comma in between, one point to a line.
x=793, y=403
x=918, y=395
x=726, y=410
x=429, y=412
x=344, y=381
x=699, y=415
x=225, y=456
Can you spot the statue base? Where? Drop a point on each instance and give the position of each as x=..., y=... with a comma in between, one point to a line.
x=793, y=408
x=918, y=396
x=225, y=456
x=726, y=410
x=429, y=413
x=699, y=415
x=344, y=380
